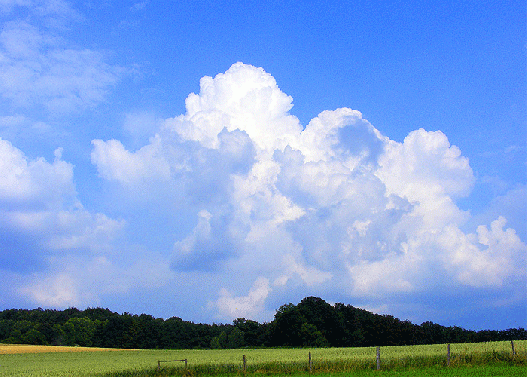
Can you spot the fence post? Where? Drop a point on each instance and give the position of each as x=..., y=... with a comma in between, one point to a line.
x=512, y=345
x=158, y=364
x=185, y=363
x=378, y=358
x=448, y=354
x=244, y=364
x=310, y=363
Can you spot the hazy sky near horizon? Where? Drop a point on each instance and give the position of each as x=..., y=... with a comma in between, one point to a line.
x=217, y=159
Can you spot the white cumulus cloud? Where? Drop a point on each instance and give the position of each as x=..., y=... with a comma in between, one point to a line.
x=114, y=162
x=335, y=207
x=248, y=306
x=60, y=253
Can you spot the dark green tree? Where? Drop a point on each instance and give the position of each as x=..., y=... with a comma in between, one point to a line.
x=286, y=327
x=236, y=338
x=33, y=336
x=252, y=331
x=352, y=334
x=324, y=317
x=79, y=331
x=312, y=337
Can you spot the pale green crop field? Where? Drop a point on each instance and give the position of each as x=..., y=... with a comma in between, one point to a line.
x=58, y=364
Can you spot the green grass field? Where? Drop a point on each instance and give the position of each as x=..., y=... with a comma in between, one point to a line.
x=482, y=371
x=479, y=359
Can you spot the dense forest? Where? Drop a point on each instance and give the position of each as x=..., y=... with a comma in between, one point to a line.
x=311, y=323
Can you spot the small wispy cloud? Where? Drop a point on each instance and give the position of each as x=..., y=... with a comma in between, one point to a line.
x=39, y=67
x=139, y=5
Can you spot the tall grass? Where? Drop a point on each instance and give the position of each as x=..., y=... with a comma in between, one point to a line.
x=259, y=361
x=493, y=358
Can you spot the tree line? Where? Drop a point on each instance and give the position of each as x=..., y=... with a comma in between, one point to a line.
x=311, y=323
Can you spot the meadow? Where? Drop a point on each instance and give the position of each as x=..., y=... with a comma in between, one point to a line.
x=492, y=359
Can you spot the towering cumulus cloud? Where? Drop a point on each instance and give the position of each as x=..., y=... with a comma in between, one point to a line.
x=333, y=208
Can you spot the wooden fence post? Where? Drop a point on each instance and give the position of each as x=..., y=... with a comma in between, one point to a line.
x=448, y=354
x=185, y=363
x=244, y=364
x=512, y=345
x=378, y=358
x=310, y=363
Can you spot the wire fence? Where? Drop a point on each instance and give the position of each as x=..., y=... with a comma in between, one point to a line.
x=377, y=361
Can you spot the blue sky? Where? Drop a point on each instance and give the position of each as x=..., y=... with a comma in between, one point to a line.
x=213, y=160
